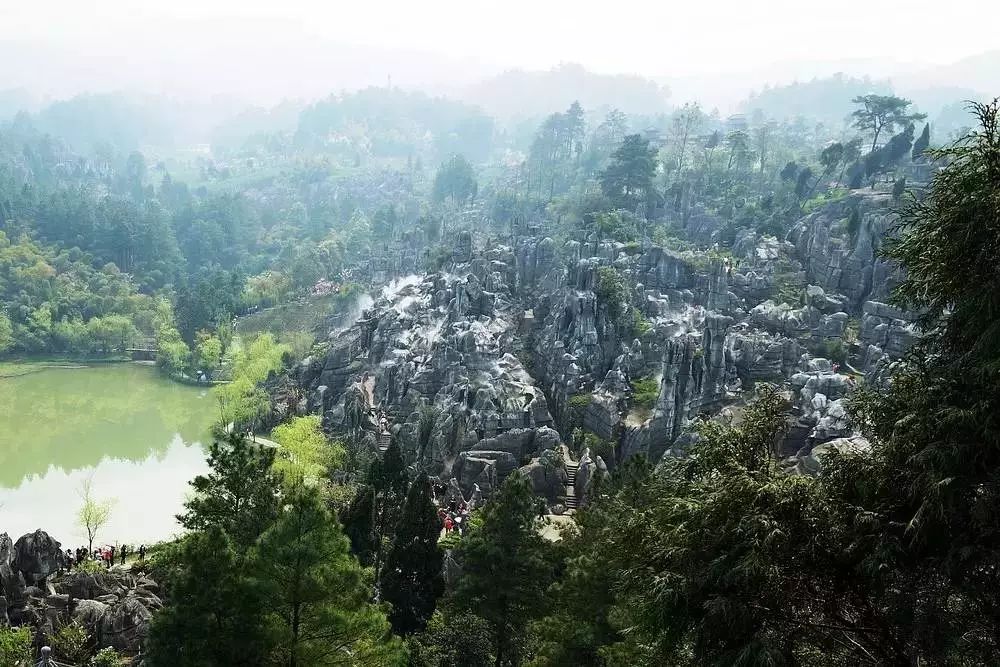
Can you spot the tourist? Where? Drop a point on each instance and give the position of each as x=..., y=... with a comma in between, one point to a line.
x=142, y=552
x=111, y=557
x=69, y=559
x=448, y=525
x=124, y=552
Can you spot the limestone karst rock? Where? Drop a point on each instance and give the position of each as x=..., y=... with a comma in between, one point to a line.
x=115, y=607
x=475, y=367
x=37, y=555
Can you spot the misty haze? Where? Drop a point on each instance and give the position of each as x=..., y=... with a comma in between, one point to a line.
x=470, y=334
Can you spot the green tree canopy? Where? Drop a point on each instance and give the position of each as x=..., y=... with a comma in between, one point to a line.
x=215, y=613
x=628, y=179
x=317, y=601
x=506, y=568
x=412, y=580
x=239, y=494
x=878, y=113
x=456, y=179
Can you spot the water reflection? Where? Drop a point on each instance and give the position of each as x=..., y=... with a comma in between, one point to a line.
x=134, y=431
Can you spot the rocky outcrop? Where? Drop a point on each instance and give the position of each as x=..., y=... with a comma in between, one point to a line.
x=589, y=469
x=115, y=607
x=36, y=556
x=810, y=461
x=547, y=474
x=886, y=332
x=473, y=366
x=844, y=260
x=442, y=343
x=12, y=583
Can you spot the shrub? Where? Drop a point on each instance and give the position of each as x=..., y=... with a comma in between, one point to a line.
x=645, y=390
x=598, y=446
x=576, y=408
x=834, y=350
x=613, y=294
x=107, y=657
x=70, y=643
x=640, y=325
x=15, y=646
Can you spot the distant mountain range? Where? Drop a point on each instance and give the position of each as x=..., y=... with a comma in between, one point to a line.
x=979, y=74
x=218, y=76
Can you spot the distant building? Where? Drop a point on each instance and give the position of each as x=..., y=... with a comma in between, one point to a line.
x=737, y=123
x=654, y=137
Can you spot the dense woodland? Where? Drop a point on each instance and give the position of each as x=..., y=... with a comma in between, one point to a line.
x=321, y=554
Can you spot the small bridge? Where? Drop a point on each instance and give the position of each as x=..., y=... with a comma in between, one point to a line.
x=142, y=350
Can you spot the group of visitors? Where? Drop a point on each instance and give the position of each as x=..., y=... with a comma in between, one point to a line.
x=454, y=517
x=107, y=555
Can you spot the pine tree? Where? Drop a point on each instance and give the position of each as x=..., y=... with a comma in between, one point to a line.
x=412, y=580
x=239, y=494
x=506, y=568
x=882, y=112
x=357, y=521
x=628, y=180
x=214, y=613
x=856, y=176
x=388, y=481
x=456, y=179
x=802, y=184
x=317, y=601
x=931, y=494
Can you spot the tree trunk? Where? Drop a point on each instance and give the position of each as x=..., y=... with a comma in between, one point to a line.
x=294, y=657
x=878, y=130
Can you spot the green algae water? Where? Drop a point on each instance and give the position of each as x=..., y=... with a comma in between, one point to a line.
x=136, y=434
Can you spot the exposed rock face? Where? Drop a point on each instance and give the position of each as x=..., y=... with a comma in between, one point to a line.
x=11, y=580
x=442, y=343
x=811, y=462
x=115, y=607
x=118, y=608
x=796, y=322
x=474, y=366
x=36, y=556
x=547, y=474
x=885, y=331
x=846, y=262
x=588, y=470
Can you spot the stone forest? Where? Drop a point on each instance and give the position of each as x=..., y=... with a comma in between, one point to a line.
x=398, y=378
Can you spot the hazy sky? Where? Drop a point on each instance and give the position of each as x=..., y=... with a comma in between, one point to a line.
x=650, y=37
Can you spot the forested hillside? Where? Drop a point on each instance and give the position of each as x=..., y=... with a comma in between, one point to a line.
x=538, y=382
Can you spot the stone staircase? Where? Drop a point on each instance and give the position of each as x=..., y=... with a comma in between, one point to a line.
x=384, y=440
x=571, y=500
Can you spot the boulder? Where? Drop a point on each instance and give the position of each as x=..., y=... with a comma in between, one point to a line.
x=125, y=626
x=37, y=555
x=90, y=614
x=547, y=475
x=11, y=580
x=85, y=585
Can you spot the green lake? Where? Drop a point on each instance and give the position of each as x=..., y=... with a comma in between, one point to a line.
x=136, y=434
